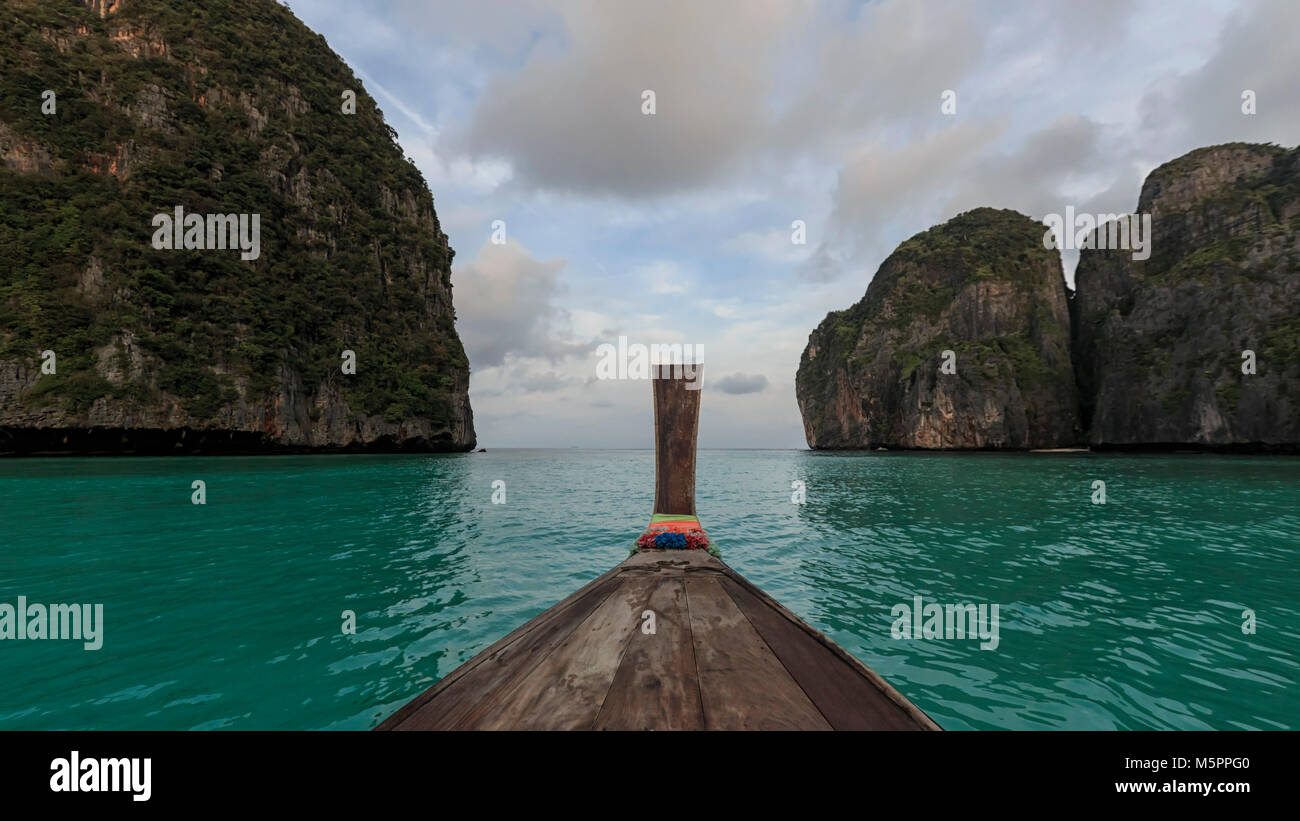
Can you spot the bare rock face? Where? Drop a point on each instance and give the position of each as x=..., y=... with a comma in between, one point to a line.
x=981, y=287
x=222, y=107
x=22, y=155
x=1160, y=344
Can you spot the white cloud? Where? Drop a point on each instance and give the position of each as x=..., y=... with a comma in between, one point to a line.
x=775, y=245
x=663, y=277
x=506, y=305
x=741, y=383
x=574, y=122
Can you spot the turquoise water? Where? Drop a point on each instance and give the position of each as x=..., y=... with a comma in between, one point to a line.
x=228, y=615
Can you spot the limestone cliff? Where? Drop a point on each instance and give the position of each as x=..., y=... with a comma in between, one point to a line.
x=981, y=286
x=115, y=111
x=1159, y=343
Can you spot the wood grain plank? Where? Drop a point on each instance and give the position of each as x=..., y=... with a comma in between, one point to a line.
x=451, y=702
x=917, y=714
x=847, y=699
x=566, y=690
x=742, y=683
x=726, y=656
x=672, y=559
x=677, y=413
x=656, y=687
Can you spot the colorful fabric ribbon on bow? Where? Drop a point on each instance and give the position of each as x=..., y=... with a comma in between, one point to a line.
x=673, y=532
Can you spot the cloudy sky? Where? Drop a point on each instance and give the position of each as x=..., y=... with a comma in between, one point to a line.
x=676, y=227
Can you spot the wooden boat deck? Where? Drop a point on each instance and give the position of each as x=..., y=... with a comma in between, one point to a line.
x=724, y=656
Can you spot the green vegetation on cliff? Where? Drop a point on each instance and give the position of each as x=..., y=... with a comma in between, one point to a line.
x=984, y=243
x=981, y=285
x=1159, y=344
x=226, y=106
